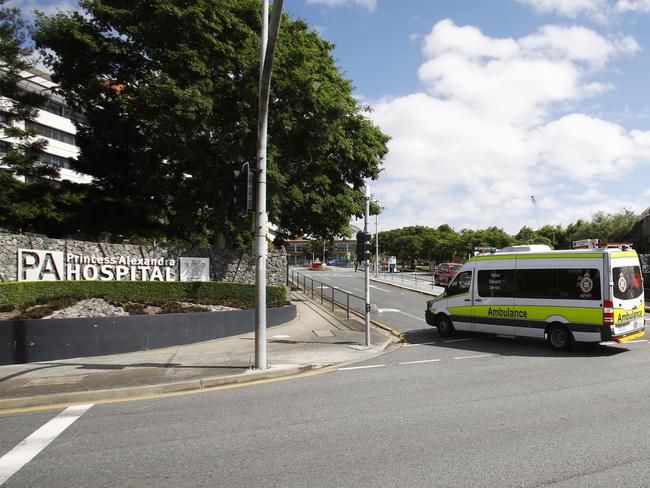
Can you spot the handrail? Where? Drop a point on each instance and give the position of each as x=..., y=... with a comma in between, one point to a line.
x=295, y=278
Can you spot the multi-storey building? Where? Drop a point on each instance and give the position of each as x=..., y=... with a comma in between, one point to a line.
x=53, y=122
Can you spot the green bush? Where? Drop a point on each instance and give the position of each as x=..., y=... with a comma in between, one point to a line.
x=20, y=295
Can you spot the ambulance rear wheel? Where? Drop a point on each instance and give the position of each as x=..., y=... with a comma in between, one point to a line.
x=445, y=327
x=559, y=338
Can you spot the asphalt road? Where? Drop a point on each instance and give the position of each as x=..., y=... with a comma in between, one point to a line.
x=465, y=411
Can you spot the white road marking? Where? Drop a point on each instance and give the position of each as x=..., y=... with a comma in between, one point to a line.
x=477, y=356
x=28, y=449
x=282, y=336
x=459, y=340
x=377, y=288
x=640, y=340
x=382, y=310
x=413, y=316
x=363, y=367
x=420, y=344
x=422, y=361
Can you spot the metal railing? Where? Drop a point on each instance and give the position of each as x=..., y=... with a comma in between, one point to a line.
x=406, y=277
x=307, y=284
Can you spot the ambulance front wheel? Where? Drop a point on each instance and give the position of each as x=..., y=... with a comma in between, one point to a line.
x=445, y=327
x=559, y=337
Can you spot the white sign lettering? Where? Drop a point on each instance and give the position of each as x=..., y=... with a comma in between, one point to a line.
x=36, y=265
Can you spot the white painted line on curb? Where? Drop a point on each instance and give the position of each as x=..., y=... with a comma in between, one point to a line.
x=459, y=340
x=477, y=356
x=28, y=449
x=363, y=367
x=422, y=361
x=640, y=340
x=382, y=310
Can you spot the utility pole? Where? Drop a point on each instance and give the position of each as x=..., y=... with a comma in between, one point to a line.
x=377, y=241
x=366, y=260
x=269, y=38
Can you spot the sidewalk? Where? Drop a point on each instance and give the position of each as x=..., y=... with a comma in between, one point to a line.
x=317, y=338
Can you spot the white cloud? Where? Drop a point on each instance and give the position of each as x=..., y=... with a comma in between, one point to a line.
x=577, y=44
x=369, y=4
x=482, y=136
x=633, y=5
x=414, y=36
x=597, y=9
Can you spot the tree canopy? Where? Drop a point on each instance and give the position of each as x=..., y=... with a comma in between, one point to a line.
x=427, y=244
x=169, y=94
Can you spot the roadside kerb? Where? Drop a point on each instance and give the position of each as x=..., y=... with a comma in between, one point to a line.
x=55, y=399
x=374, y=322
x=144, y=392
x=424, y=292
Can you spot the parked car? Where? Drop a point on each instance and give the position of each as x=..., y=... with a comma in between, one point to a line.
x=446, y=272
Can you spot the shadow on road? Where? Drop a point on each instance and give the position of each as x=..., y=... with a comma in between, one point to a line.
x=505, y=346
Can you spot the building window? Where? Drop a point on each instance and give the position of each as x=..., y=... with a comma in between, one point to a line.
x=45, y=131
x=53, y=160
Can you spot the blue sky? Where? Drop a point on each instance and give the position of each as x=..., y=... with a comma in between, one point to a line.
x=491, y=101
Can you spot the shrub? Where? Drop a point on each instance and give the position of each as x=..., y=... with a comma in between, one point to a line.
x=19, y=295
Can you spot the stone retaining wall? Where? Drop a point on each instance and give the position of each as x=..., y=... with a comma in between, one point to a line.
x=225, y=265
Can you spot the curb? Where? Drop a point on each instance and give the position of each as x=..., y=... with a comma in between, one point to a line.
x=55, y=399
x=424, y=292
x=379, y=325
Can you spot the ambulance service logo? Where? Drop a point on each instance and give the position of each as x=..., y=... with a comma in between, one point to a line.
x=622, y=284
x=586, y=284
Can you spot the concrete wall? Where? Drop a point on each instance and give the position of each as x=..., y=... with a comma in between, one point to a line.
x=26, y=341
x=225, y=265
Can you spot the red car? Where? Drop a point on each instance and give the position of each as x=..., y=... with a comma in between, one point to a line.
x=446, y=272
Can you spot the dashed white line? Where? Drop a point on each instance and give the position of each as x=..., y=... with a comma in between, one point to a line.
x=420, y=344
x=459, y=340
x=477, y=356
x=28, y=449
x=363, y=367
x=422, y=361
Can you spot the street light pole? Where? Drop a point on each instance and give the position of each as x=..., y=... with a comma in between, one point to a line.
x=367, y=263
x=269, y=38
x=377, y=241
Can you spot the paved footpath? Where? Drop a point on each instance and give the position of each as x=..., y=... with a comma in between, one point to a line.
x=316, y=339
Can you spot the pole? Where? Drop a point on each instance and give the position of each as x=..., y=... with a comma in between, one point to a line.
x=367, y=263
x=269, y=37
x=377, y=245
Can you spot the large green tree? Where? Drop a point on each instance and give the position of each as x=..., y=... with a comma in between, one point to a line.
x=169, y=92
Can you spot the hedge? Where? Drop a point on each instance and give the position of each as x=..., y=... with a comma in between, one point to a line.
x=20, y=295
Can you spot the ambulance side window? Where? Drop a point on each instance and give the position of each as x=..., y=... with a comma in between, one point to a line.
x=496, y=283
x=461, y=284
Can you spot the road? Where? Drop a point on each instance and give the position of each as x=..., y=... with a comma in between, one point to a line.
x=466, y=411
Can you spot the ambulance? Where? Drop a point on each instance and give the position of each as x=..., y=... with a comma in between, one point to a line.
x=565, y=297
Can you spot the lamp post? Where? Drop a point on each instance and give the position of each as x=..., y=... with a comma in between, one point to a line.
x=377, y=241
x=367, y=263
x=269, y=38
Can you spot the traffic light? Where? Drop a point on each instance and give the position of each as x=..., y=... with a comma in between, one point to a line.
x=363, y=247
x=244, y=190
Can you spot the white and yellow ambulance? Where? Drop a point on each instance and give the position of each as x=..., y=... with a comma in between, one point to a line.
x=565, y=297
